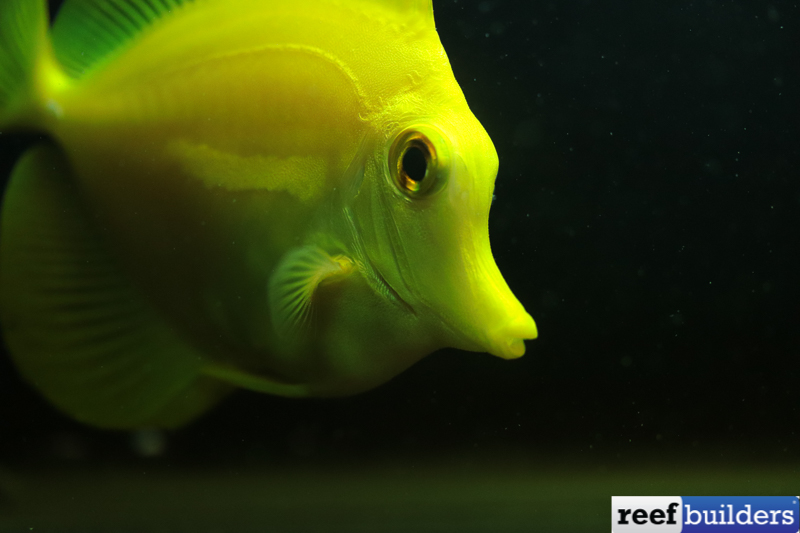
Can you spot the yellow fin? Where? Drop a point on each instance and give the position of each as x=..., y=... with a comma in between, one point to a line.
x=29, y=75
x=87, y=31
x=22, y=34
x=423, y=9
x=76, y=327
x=256, y=382
x=293, y=283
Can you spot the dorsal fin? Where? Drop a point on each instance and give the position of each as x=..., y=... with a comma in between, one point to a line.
x=422, y=9
x=87, y=31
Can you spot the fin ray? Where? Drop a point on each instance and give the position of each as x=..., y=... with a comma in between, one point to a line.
x=87, y=31
x=292, y=287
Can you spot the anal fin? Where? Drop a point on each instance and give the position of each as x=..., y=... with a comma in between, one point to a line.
x=76, y=326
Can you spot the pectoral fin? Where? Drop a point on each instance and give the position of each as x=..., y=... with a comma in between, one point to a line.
x=294, y=282
x=76, y=326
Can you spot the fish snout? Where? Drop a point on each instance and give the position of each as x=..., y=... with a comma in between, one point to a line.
x=508, y=339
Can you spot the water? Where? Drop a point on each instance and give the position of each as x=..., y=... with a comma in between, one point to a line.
x=646, y=215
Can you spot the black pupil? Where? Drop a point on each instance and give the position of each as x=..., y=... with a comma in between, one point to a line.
x=414, y=163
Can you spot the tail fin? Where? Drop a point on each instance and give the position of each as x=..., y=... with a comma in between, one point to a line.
x=29, y=73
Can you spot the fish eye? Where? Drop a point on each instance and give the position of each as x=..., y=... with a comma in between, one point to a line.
x=418, y=161
x=415, y=163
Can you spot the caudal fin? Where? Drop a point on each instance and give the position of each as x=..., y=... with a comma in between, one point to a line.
x=29, y=73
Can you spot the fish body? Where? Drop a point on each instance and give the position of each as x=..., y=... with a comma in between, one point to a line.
x=290, y=197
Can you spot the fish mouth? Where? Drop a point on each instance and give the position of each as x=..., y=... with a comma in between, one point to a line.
x=508, y=340
x=504, y=338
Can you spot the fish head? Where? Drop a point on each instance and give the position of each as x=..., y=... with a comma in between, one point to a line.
x=429, y=235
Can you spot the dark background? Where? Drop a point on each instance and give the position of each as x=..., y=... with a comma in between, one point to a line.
x=646, y=216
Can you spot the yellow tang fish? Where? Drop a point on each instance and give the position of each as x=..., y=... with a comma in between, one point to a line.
x=290, y=196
